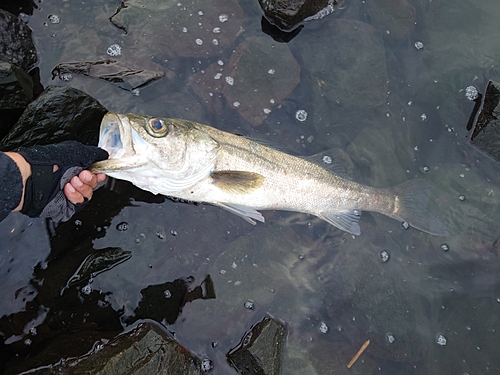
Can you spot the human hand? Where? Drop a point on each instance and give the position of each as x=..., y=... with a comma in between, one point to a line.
x=81, y=187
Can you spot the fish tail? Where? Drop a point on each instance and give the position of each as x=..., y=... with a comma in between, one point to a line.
x=411, y=205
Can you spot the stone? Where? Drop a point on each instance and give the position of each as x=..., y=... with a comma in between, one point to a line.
x=486, y=133
x=288, y=14
x=58, y=114
x=16, y=45
x=16, y=87
x=259, y=352
x=147, y=350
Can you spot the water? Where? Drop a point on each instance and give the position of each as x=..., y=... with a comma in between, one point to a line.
x=333, y=291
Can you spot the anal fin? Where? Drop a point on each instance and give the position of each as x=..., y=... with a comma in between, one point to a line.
x=247, y=213
x=346, y=220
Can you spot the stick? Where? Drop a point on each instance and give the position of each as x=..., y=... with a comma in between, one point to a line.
x=360, y=351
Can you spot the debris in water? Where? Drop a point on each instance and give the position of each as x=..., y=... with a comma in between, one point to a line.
x=360, y=351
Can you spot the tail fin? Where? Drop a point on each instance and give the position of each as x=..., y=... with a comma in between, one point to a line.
x=412, y=207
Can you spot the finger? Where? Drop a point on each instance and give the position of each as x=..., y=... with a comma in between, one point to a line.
x=88, y=178
x=101, y=177
x=83, y=188
x=72, y=194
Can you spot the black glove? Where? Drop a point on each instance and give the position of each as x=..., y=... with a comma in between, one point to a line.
x=43, y=194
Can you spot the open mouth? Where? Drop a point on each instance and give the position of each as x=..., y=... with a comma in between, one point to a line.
x=110, y=138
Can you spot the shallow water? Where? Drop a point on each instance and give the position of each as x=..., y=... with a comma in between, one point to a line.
x=69, y=286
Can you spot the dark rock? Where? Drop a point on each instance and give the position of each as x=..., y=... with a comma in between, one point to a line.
x=16, y=45
x=109, y=70
x=259, y=352
x=58, y=114
x=145, y=350
x=16, y=87
x=18, y=6
x=486, y=133
x=288, y=14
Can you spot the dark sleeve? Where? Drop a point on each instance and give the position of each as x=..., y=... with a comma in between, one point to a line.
x=11, y=185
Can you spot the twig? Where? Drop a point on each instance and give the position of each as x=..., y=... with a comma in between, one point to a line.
x=360, y=351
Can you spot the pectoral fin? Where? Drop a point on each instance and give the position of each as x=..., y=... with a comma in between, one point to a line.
x=237, y=182
x=347, y=221
x=246, y=213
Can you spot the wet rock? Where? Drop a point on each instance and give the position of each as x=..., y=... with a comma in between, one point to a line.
x=109, y=70
x=191, y=29
x=259, y=75
x=16, y=45
x=260, y=349
x=395, y=19
x=346, y=78
x=16, y=87
x=288, y=14
x=145, y=350
x=486, y=133
x=58, y=114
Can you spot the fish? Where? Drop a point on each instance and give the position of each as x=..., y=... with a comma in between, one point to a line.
x=195, y=162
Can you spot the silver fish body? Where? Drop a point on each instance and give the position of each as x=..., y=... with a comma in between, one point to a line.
x=196, y=162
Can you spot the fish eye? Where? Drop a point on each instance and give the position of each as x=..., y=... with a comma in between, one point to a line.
x=157, y=127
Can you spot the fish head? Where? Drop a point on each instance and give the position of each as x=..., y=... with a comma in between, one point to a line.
x=161, y=155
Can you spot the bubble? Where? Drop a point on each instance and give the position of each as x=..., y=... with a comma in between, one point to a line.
x=236, y=104
x=220, y=62
x=216, y=30
x=160, y=235
x=323, y=328
x=249, y=305
x=405, y=225
x=271, y=71
x=114, y=50
x=426, y=169
x=461, y=197
x=327, y=159
x=54, y=18
x=198, y=41
x=33, y=331
x=230, y=81
x=267, y=111
x=441, y=340
x=419, y=45
x=65, y=77
x=423, y=117
x=173, y=232
x=78, y=223
x=184, y=30
x=167, y=293
x=136, y=92
x=87, y=289
x=390, y=338
x=222, y=272
x=471, y=93
x=223, y=17
x=301, y=115
x=200, y=13
x=218, y=76
x=384, y=256
x=445, y=247
x=206, y=365
x=122, y=227
x=27, y=342
x=215, y=42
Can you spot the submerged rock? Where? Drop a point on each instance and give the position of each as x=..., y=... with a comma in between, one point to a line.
x=288, y=14
x=16, y=87
x=176, y=28
x=486, y=134
x=109, y=70
x=340, y=74
x=58, y=114
x=16, y=45
x=260, y=349
x=145, y=350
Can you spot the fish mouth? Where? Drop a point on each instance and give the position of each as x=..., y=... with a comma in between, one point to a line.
x=121, y=141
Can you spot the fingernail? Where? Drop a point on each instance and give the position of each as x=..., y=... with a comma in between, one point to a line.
x=87, y=176
x=77, y=181
x=70, y=188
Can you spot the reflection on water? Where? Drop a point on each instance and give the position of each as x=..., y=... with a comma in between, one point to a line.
x=392, y=96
